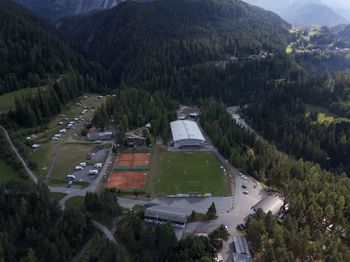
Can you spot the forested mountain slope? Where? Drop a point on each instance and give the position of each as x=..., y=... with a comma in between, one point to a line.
x=32, y=51
x=139, y=41
x=55, y=9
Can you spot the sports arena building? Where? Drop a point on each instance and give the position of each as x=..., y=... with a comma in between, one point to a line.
x=186, y=133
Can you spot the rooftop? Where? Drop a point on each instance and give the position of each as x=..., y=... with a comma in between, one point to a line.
x=166, y=213
x=241, y=247
x=185, y=129
x=270, y=203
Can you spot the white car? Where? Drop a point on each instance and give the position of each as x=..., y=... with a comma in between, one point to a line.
x=58, y=135
x=79, y=168
x=99, y=165
x=55, y=138
x=63, y=130
x=93, y=172
x=60, y=123
x=83, y=164
x=246, y=192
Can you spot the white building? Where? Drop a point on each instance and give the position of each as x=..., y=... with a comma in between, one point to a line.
x=186, y=133
x=269, y=204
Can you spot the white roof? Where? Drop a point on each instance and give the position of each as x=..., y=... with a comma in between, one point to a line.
x=270, y=203
x=185, y=129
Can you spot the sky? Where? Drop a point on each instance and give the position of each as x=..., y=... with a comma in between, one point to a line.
x=336, y=4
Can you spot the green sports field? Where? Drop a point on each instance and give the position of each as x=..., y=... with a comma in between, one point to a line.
x=188, y=172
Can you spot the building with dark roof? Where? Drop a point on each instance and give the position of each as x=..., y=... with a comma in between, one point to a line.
x=100, y=135
x=187, y=112
x=162, y=214
x=241, y=250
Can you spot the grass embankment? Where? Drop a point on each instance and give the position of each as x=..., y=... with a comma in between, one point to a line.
x=7, y=173
x=7, y=101
x=188, y=172
x=76, y=202
x=324, y=116
x=57, y=196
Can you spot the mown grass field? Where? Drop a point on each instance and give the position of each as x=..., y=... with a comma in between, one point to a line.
x=70, y=156
x=75, y=202
x=324, y=116
x=188, y=172
x=43, y=157
x=7, y=173
x=57, y=196
x=7, y=101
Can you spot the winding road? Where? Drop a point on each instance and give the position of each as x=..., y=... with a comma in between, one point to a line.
x=14, y=149
x=74, y=192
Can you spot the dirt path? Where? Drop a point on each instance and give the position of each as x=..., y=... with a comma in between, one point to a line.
x=25, y=166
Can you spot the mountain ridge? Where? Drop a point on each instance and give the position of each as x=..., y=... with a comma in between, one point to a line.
x=56, y=9
x=302, y=12
x=194, y=31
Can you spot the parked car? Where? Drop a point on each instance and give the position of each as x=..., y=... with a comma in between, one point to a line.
x=241, y=227
x=83, y=164
x=98, y=165
x=244, y=186
x=93, y=172
x=79, y=168
x=246, y=192
x=71, y=177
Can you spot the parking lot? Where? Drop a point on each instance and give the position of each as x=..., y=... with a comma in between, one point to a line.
x=96, y=156
x=83, y=175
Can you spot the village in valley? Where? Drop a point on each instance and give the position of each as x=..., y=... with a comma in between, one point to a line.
x=176, y=181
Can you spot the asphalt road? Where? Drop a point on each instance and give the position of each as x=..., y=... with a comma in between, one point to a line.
x=105, y=230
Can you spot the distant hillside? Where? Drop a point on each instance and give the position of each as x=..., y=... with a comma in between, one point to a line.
x=32, y=51
x=54, y=9
x=159, y=37
x=302, y=12
x=308, y=14
x=345, y=32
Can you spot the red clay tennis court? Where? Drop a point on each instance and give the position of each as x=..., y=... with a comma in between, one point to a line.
x=127, y=180
x=136, y=161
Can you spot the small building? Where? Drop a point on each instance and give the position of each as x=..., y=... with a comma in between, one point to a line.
x=100, y=136
x=136, y=141
x=187, y=112
x=241, y=251
x=162, y=214
x=269, y=203
x=186, y=133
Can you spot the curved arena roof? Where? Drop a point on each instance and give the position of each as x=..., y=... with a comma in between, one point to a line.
x=186, y=129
